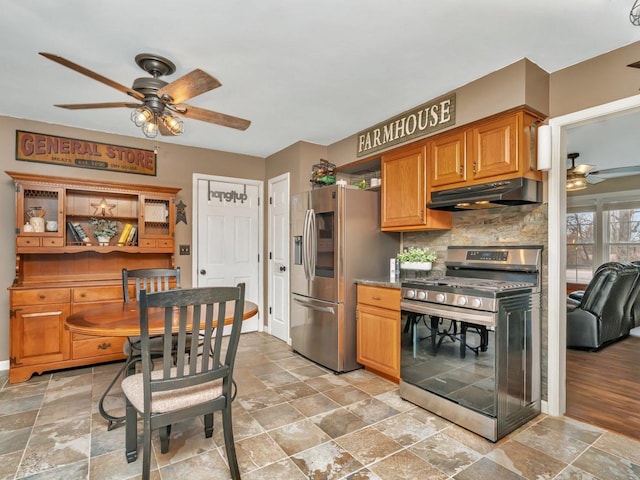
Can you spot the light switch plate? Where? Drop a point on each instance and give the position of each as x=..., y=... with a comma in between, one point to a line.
x=185, y=250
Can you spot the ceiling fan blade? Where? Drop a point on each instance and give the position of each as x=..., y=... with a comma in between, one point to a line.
x=583, y=169
x=618, y=172
x=593, y=180
x=212, y=117
x=188, y=86
x=93, y=75
x=82, y=106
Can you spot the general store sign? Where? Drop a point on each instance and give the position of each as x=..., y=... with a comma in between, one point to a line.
x=72, y=152
x=418, y=122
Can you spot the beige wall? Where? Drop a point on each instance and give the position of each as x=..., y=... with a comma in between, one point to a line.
x=175, y=166
x=521, y=83
x=596, y=81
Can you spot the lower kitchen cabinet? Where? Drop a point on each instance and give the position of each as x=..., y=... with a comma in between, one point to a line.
x=378, y=330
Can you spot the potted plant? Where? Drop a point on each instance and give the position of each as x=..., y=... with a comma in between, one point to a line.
x=103, y=229
x=416, y=258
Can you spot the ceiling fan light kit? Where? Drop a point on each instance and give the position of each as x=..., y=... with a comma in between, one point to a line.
x=576, y=183
x=161, y=102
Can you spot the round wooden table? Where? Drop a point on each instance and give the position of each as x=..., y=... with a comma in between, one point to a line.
x=123, y=319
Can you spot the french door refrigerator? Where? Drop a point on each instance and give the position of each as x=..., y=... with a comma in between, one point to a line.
x=336, y=239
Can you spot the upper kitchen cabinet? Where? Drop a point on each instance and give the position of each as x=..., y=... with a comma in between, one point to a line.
x=447, y=155
x=495, y=148
x=404, y=193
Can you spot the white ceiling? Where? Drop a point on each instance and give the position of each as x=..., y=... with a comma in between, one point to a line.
x=313, y=70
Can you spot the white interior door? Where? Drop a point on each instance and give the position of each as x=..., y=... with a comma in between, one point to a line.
x=228, y=237
x=278, y=247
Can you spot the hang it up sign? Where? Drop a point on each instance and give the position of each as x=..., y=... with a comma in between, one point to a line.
x=71, y=152
x=418, y=122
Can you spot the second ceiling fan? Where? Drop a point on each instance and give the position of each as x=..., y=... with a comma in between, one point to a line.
x=579, y=176
x=160, y=103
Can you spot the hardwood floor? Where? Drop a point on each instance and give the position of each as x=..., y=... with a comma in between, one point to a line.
x=603, y=388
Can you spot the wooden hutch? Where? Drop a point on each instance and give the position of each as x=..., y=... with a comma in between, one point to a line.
x=59, y=273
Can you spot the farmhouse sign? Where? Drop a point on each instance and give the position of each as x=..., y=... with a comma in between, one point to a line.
x=418, y=122
x=71, y=152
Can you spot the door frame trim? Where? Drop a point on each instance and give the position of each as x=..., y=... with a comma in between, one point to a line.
x=194, y=232
x=557, y=254
x=284, y=176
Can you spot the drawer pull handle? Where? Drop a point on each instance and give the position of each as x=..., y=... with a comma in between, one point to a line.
x=41, y=297
x=375, y=297
x=104, y=346
x=82, y=295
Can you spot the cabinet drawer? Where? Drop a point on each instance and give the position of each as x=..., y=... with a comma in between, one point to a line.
x=164, y=243
x=97, y=294
x=147, y=243
x=41, y=296
x=28, y=241
x=85, y=347
x=52, y=242
x=379, y=296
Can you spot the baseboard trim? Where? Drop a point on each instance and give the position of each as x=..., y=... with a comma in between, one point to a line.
x=4, y=365
x=544, y=406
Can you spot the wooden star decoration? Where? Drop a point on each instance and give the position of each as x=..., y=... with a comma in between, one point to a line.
x=181, y=214
x=102, y=207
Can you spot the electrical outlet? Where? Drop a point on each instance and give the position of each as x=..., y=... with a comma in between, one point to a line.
x=185, y=250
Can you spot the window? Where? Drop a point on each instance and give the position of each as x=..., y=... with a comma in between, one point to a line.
x=580, y=246
x=601, y=229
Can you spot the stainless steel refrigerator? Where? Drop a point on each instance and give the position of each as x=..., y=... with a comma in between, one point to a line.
x=336, y=238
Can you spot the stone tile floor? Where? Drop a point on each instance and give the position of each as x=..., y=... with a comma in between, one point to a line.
x=292, y=420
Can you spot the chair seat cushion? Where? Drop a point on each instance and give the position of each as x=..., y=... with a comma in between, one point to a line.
x=171, y=400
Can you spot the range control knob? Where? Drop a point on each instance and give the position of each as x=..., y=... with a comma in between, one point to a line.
x=462, y=300
x=476, y=303
x=410, y=293
x=440, y=297
x=422, y=295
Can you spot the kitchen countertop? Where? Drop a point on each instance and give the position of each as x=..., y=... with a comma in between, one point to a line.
x=378, y=282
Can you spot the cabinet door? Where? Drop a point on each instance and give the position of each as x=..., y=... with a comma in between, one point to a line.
x=446, y=159
x=158, y=218
x=38, y=334
x=378, y=341
x=45, y=205
x=403, y=188
x=494, y=148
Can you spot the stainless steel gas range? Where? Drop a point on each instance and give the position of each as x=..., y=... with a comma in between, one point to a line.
x=471, y=341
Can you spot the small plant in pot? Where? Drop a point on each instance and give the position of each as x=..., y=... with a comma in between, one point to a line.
x=103, y=229
x=416, y=258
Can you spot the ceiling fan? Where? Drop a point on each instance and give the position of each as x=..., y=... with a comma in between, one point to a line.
x=579, y=176
x=160, y=103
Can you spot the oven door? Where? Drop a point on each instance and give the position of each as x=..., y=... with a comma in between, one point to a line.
x=450, y=352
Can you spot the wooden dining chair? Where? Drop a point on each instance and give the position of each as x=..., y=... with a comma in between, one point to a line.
x=199, y=383
x=151, y=280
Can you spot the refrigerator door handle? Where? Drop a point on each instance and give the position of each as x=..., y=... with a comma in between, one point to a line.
x=305, y=245
x=314, y=307
x=314, y=245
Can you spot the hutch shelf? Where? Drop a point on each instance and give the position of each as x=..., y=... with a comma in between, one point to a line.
x=62, y=268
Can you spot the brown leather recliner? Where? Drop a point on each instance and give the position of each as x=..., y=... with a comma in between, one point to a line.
x=604, y=312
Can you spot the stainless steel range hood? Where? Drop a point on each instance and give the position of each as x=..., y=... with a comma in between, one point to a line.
x=518, y=191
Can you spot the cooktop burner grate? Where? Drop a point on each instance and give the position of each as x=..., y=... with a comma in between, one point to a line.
x=464, y=282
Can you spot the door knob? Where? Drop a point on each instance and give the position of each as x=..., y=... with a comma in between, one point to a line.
x=203, y=272
x=283, y=268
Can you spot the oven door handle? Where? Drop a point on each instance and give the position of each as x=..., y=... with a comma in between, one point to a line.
x=488, y=319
